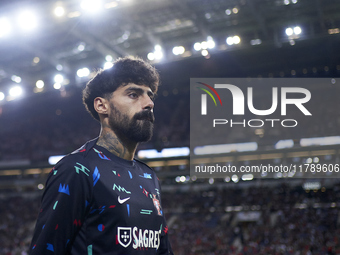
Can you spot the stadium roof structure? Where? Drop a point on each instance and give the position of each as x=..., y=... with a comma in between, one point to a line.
x=42, y=38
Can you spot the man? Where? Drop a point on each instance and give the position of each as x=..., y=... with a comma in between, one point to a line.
x=99, y=199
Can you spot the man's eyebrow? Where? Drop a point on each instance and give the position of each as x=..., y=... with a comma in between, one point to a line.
x=140, y=91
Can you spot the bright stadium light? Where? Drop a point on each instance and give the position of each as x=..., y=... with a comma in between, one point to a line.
x=233, y=40
x=204, y=53
x=57, y=85
x=158, y=47
x=151, y=56
x=81, y=47
x=158, y=55
x=289, y=31
x=2, y=96
x=197, y=46
x=109, y=58
x=83, y=72
x=59, y=11
x=58, y=78
x=16, y=78
x=204, y=45
x=92, y=6
x=15, y=91
x=27, y=20
x=297, y=30
x=5, y=27
x=211, y=43
x=178, y=50
x=40, y=84
x=108, y=65
x=236, y=39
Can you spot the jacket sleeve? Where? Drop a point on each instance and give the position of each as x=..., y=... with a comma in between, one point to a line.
x=63, y=208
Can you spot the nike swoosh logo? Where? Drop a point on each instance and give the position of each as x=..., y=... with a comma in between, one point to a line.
x=122, y=201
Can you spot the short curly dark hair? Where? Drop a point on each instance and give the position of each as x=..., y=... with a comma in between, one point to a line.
x=124, y=71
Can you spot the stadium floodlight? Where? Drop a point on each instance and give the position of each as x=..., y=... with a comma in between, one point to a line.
x=52, y=160
x=109, y=58
x=40, y=84
x=255, y=42
x=158, y=47
x=178, y=50
x=5, y=27
x=59, y=67
x=197, y=46
x=27, y=20
x=230, y=40
x=2, y=96
x=151, y=56
x=297, y=30
x=204, y=53
x=111, y=5
x=182, y=178
x=158, y=54
x=204, y=45
x=247, y=177
x=235, y=178
x=16, y=78
x=289, y=31
x=59, y=11
x=15, y=91
x=211, y=43
x=92, y=6
x=83, y=72
x=57, y=85
x=233, y=40
x=81, y=47
x=108, y=65
x=236, y=39
x=228, y=12
x=235, y=10
x=59, y=78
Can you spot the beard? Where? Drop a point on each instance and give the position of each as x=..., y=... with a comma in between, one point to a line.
x=137, y=129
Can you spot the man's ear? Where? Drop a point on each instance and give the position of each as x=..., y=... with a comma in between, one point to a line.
x=101, y=105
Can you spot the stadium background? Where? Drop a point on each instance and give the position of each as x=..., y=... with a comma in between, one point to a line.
x=41, y=114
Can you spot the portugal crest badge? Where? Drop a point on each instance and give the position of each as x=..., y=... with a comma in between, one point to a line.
x=124, y=236
x=157, y=205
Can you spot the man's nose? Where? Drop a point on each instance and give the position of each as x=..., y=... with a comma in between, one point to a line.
x=148, y=104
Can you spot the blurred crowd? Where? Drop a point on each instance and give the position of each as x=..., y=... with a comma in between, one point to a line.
x=289, y=221
x=54, y=125
x=276, y=220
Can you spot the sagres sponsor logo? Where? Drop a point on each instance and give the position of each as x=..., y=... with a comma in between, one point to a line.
x=283, y=98
x=124, y=236
x=142, y=238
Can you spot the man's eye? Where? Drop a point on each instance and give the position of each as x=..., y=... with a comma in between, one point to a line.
x=133, y=95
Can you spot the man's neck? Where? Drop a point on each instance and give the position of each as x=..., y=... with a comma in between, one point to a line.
x=110, y=141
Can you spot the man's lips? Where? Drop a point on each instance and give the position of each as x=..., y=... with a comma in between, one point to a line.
x=145, y=115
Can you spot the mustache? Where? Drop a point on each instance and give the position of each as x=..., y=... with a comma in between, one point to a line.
x=145, y=115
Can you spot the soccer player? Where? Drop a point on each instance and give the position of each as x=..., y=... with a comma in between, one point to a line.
x=99, y=199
